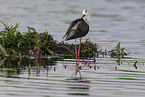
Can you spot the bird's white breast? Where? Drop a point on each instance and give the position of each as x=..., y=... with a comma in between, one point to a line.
x=86, y=19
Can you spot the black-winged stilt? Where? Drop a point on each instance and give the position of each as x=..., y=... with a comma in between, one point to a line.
x=78, y=29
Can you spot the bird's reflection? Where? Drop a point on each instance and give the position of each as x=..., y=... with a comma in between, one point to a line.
x=78, y=88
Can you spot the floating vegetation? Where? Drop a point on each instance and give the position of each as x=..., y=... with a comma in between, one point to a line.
x=88, y=49
x=14, y=42
x=32, y=43
x=117, y=50
x=26, y=50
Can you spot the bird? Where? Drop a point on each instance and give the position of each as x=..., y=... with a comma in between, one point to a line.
x=78, y=29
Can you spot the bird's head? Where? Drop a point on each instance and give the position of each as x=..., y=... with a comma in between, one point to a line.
x=85, y=12
x=86, y=15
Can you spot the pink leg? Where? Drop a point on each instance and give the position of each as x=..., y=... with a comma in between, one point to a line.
x=79, y=50
x=76, y=58
x=79, y=56
x=76, y=51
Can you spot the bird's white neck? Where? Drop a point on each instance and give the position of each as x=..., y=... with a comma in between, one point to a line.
x=86, y=19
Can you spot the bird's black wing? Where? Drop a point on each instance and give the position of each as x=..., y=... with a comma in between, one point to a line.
x=72, y=26
x=83, y=27
x=81, y=30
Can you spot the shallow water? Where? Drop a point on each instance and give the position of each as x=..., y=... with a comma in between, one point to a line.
x=111, y=21
x=105, y=78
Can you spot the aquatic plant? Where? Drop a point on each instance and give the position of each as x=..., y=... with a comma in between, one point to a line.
x=2, y=50
x=135, y=64
x=14, y=42
x=37, y=39
x=30, y=42
x=117, y=50
x=9, y=38
x=88, y=48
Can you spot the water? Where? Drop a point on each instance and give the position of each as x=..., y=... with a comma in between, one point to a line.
x=48, y=78
x=112, y=21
